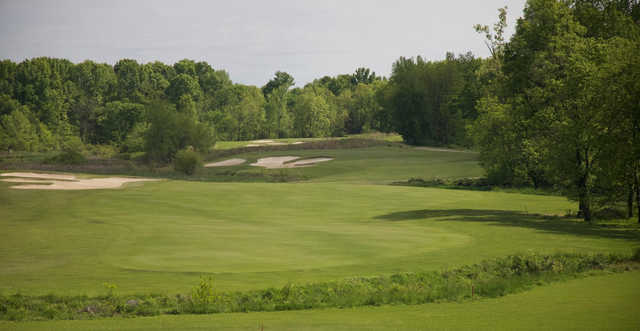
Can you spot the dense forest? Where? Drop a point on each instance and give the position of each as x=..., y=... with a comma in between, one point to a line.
x=556, y=106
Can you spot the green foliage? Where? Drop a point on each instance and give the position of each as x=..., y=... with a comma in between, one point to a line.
x=73, y=152
x=282, y=80
x=182, y=85
x=135, y=141
x=116, y=120
x=490, y=278
x=103, y=104
x=187, y=161
x=312, y=115
x=170, y=131
x=17, y=133
x=562, y=111
x=361, y=106
x=363, y=76
x=428, y=102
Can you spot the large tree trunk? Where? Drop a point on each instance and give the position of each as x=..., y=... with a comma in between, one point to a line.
x=583, y=187
x=630, y=201
x=586, y=209
x=637, y=184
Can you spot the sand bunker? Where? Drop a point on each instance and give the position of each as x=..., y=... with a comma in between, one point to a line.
x=226, y=163
x=309, y=162
x=279, y=162
x=66, y=182
x=37, y=175
x=269, y=142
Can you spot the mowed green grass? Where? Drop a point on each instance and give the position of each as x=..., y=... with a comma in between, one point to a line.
x=162, y=237
x=341, y=221
x=374, y=165
x=594, y=303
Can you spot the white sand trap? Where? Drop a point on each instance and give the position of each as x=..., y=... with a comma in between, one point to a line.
x=269, y=142
x=274, y=162
x=51, y=182
x=226, y=163
x=26, y=180
x=37, y=175
x=309, y=162
x=280, y=162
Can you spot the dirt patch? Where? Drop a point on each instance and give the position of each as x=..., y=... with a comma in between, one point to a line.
x=280, y=162
x=66, y=182
x=226, y=163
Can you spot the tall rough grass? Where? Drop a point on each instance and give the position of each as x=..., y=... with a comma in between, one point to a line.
x=490, y=278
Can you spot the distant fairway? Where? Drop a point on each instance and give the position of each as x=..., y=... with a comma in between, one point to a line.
x=162, y=236
x=374, y=165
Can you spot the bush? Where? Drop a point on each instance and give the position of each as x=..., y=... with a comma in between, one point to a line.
x=103, y=151
x=187, y=161
x=489, y=278
x=72, y=153
x=170, y=131
x=636, y=255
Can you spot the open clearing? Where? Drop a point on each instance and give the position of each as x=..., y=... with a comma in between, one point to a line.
x=66, y=182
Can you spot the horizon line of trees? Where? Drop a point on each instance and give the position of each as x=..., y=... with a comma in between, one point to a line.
x=48, y=103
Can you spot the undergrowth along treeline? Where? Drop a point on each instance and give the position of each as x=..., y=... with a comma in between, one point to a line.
x=490, y=278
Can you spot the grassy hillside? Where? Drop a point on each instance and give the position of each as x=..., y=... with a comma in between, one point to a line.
x=340, y=221
x=380, y=165
x=161, y=237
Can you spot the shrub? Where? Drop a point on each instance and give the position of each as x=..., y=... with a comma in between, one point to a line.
x=170, y=131
x=489, y=278
x=103, y=151
x=187, y=161
x=72, y=153
x=636, y=255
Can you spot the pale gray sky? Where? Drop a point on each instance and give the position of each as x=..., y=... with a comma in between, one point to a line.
x=251, y=39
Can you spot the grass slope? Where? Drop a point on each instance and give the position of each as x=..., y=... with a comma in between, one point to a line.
x=605, y=302
x=378, y=165
x=161, y=237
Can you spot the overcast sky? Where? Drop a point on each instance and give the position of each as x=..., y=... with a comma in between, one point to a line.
x=250, y=39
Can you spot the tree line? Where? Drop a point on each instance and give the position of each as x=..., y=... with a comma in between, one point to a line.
x=557, y=105
x=563, y=106
x=48, y=103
